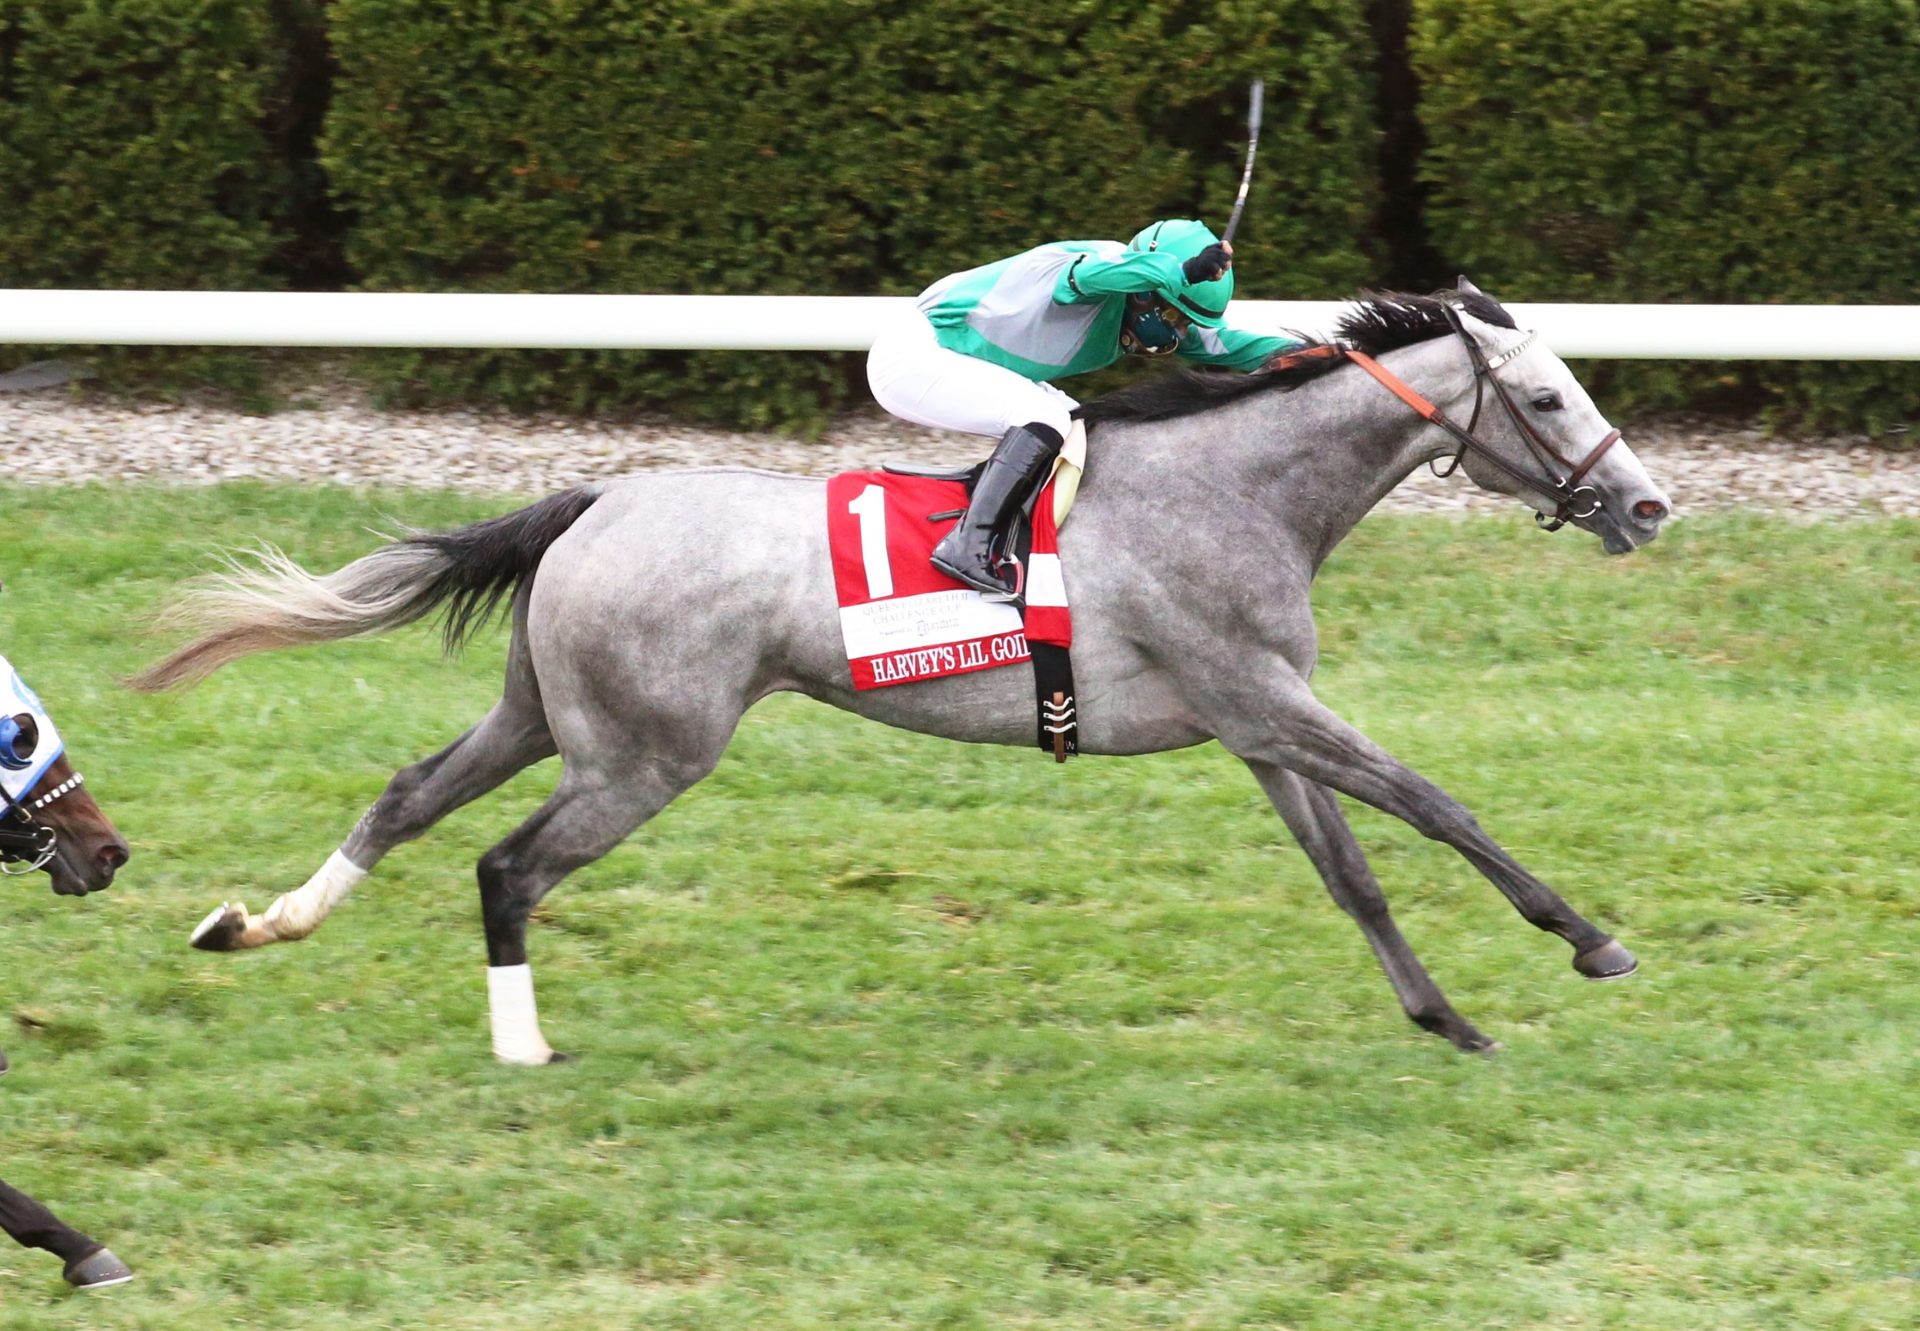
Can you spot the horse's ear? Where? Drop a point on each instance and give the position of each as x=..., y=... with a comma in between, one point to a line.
x=1481, y=305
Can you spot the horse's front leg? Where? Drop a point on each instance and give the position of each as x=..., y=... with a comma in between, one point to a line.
x=89, y=1263
x=1287, y=727
x=1314, y=817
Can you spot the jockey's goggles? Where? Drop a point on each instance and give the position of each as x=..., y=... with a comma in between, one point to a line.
x=1153, y=326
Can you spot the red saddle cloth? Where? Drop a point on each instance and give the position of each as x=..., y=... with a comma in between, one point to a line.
x=903, y=620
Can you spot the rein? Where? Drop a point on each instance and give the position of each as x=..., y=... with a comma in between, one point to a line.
x=1572, y=499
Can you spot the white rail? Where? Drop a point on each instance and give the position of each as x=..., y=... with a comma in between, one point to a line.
x=848, y=323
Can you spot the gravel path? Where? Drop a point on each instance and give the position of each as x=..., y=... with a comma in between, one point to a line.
x=335, y=436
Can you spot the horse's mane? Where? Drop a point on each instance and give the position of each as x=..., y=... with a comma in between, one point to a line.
x=1379, y=322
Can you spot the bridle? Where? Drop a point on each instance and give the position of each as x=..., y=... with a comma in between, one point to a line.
x=24, y=839
x=29, y=747
x=1561, y=480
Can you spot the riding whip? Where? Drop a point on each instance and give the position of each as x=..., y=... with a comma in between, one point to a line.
x=1257, y=101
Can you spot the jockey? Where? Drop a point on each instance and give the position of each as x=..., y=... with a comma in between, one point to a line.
x=982, y=346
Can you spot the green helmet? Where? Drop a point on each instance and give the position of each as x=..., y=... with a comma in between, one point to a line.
x=1204, y=302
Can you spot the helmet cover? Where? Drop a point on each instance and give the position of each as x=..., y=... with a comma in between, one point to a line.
x=1184, y=238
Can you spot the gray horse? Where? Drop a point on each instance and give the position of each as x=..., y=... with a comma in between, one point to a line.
x=665, y=605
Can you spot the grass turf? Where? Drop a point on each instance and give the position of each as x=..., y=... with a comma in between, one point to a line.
x=870, y=1040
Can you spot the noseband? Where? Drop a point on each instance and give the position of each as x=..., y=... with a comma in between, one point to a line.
x=24, y=839
x=1561, y=479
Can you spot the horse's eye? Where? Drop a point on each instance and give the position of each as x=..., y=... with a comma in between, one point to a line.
x=1546, y=402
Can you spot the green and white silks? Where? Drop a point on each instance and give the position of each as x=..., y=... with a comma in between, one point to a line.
x=1055, y=310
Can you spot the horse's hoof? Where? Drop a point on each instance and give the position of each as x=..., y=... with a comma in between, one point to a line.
x=98, y=1270
x=559, y=1057
x=232, y=929
x=221, y=930
x=1609, y=961
x=1457, y=1031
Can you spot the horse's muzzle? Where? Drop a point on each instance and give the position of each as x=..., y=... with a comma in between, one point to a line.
x=76, y=874
x=1624, y=525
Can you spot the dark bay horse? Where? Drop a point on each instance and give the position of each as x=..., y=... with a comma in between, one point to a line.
x=665, y=605
x=48, y=821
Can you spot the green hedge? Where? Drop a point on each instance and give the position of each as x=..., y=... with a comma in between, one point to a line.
x=1693, y=151
x=817, y=146
x=1628, y=150
x=136, y=146
x=132, y=145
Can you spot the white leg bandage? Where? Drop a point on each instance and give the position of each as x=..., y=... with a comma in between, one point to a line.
x=298, y=913
x=516, y=1024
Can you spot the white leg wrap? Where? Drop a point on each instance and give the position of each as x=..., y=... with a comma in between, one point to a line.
x=516, y=1024
x=299, y=912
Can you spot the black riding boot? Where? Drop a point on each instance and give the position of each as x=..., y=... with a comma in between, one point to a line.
x=1019, y=463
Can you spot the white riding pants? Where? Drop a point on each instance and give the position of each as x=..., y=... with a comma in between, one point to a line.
x=918, y=380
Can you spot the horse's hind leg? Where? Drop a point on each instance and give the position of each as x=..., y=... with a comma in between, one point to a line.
x=594, y=808
x=504, y=743
x=1314, y=817
x=511, y=737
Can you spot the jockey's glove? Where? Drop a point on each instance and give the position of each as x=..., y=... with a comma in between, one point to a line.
x=1208, y=264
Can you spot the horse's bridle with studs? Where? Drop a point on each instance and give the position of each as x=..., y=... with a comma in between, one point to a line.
x=1572, y=498
x=24, y=839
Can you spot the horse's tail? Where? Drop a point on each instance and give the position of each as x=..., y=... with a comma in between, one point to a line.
x=272, y=602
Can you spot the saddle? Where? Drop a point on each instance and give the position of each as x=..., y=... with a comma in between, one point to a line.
x=905, y=624
x=1065, y=477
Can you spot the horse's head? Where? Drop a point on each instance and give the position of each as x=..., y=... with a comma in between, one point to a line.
x=47, y=819
x=57, y=826
x=1542, y=440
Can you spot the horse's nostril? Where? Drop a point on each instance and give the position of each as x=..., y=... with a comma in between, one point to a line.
x=1650, y=510
x=110, y=857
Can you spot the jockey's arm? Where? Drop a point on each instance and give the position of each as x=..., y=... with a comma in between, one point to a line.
x=1091, y=277
x=1231, y=348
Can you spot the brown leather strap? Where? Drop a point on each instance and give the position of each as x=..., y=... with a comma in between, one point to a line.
x=1579, y=472
x=1398, y=386
x=1287, y=360
x=1560, y=491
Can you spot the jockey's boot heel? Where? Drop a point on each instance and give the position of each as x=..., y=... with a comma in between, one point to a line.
x=1019, y=462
